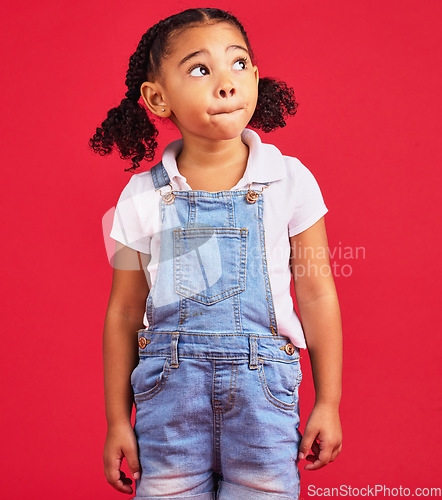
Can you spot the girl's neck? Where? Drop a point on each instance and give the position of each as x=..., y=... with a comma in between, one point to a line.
x=213, y=166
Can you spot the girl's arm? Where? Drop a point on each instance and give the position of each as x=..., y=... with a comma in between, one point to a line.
x=321, y=321
x=124, y=317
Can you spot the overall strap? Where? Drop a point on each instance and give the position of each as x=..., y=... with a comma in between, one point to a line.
x=159, y=175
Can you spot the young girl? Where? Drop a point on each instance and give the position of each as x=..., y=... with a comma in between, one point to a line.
x=200, y=330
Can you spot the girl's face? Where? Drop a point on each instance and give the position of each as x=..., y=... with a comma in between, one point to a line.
x=209, y=87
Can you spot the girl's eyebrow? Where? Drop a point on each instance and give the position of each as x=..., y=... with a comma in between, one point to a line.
x=204, y=51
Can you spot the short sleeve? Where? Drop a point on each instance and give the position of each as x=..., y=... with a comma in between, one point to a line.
x=127, y=227
x=309, y=204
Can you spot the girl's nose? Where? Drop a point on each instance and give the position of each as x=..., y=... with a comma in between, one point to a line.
x=226, y=87
x=227, y=90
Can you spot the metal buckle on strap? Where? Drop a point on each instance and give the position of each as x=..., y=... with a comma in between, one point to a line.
x=252, y=195
x=168, y=197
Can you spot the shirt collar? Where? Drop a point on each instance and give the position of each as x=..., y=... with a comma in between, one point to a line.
x=265, y=162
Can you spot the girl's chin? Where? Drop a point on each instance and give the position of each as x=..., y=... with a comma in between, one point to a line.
x=221, y=130
x=229, y=129
x=228, y=134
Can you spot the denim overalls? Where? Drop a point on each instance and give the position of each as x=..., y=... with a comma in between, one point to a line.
x=216, y=387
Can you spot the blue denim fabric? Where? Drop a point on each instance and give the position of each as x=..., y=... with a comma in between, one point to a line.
x=216, y=388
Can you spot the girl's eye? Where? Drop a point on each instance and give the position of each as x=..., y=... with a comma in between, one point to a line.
x=242, y=61
x=204, y=70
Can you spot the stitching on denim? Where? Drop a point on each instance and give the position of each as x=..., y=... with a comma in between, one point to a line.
x=174, y=351
x=192, y=209
x=243, y=263
x=159, y=175
x=252, y=356
x=194, y=232
x=231, y=212
x=234, y=367
x=269, y=396
x=202, y=299
x=237, y=312
x=149, y=312
x=217, y=442
x=214, y=395
x=214, y=334
x=149, y=302
x=230, y=291
x=180, y=235
x=216, y=425
x=232, y=219
x=226, y=293
x=183, y=314
x=253, y=348
x=209, y=194
x=214, y=356
x=231, y=402
x=176, y=266
x=149, y=309
x=164, y=174
x=146, y=396
x=232, y=393
x=153, y=173
x=213, y=384
x=269, y=296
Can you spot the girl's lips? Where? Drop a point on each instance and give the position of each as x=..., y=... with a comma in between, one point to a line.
x=228, y=112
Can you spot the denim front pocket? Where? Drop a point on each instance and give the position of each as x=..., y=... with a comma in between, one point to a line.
x=149, y=376
x=280, y=382
x=209, y=263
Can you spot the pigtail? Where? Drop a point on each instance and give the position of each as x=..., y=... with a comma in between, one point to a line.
x=275, y=101
x=128, y=125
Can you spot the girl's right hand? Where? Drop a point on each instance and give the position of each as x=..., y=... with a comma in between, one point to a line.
x=121, y=442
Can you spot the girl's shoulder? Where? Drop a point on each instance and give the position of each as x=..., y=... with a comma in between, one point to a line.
x=288, y=166
x=297, y=173
x=136, y=213
x=294, y=165
x=139, y=183
x=306, y=203
x=138, y=195
x=272, y=163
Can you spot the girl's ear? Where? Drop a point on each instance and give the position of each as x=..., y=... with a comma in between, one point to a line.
x=151, y=94
x=255, y=69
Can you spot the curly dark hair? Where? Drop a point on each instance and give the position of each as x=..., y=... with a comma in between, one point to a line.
x=128, y=125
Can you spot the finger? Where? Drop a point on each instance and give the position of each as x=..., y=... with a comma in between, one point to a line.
x=123, y=484
x=112, y=469
x=315, y=450
x=117, y=478
x=306, y=443
x=322, y=456
x=131, y=454
x=336, y=452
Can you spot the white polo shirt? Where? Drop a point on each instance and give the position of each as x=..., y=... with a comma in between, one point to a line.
x=292, y=203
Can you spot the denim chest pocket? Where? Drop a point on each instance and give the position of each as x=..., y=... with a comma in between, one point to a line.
x=209, y=263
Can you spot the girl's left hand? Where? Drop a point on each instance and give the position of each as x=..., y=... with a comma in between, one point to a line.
x=323, y=435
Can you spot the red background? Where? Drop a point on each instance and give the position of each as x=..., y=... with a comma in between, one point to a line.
x=366, y=75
